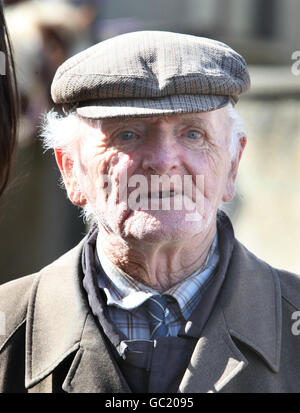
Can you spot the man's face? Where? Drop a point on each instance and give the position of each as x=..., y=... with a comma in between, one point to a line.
x=118, y=166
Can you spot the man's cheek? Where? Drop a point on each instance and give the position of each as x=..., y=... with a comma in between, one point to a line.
x=122, y=172
x=110, y=160
x=104, y=189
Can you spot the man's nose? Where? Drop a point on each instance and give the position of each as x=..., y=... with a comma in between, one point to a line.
x=161, y=156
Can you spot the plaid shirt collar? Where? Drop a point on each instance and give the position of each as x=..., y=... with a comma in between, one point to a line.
x=124, y=292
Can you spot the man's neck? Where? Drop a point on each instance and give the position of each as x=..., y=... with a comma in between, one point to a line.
x=159, y=266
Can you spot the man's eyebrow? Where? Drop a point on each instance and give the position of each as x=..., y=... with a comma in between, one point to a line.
x=111, y=124
x=196, y=121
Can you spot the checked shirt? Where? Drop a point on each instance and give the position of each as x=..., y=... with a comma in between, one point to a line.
x=126, y=296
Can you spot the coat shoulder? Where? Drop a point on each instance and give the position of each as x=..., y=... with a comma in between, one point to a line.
x=289, y=282
x=14, y=298
x=17, y=295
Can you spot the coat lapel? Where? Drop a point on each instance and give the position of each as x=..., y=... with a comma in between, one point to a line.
x=93, y=369
x=249, y=309
x=59, y=323
x=215, y=360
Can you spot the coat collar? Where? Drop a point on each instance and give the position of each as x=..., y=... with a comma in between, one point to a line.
x=248, y=309
x=60, y=322
x=255, y=290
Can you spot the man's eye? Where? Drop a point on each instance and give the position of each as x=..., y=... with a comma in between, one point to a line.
x=193, y=134
x=127, y=136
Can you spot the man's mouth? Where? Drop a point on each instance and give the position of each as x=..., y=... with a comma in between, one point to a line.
x=162, y=194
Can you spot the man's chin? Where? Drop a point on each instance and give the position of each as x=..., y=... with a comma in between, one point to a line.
x=163, y=226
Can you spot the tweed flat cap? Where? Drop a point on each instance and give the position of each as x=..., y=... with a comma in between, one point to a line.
x=150, y=73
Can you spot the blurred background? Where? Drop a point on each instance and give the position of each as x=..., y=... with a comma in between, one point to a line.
x=38, y=223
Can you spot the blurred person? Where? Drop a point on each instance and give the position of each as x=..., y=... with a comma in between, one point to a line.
x=27, y=209
x=8, y=105
x=159, y=296
x=50, y=39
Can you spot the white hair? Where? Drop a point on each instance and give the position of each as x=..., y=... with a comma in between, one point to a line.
x=237, y=130
x=63, y=132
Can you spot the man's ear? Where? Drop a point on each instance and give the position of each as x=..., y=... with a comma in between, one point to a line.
x=232, y=175
x=65, y=164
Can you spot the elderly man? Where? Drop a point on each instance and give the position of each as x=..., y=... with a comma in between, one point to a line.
x=159, y=296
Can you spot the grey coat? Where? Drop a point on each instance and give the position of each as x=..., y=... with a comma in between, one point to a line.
x=50, y=342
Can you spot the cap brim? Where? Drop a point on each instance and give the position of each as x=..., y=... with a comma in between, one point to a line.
x=170, y=105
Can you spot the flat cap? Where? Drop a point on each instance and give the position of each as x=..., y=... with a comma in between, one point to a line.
x=149, y=73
